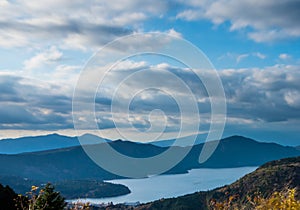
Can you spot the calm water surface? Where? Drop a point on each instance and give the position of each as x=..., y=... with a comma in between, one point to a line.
x=167, y=186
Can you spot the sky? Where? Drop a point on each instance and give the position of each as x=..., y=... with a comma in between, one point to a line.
x=253, y=45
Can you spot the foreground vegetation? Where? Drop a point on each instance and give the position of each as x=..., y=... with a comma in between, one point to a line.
x=70, y=189
x=37, y=199
x=278, y=200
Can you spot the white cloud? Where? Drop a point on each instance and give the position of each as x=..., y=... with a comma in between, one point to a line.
x=268, y=20
x=253, y=95
x=259, y=55
x=50, y=56
x=269, y=94
x=173, y=32
x=292, y=98
x=241, y=57
x=189, y=15
x=284, y=56
x=78, y=24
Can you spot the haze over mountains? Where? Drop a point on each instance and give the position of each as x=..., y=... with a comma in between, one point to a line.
x=73, y=163
x=46, y=142
x=57, y=141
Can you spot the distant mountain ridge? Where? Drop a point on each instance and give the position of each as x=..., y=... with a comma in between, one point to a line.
x=57, y=141
x=73, y=162
x=45, y=142
x=182, y=141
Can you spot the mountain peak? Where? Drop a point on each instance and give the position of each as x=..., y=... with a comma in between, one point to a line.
x=237, y=137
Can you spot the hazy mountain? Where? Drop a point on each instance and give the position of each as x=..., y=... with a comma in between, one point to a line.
x=273, y=176
x=183, y=141
x=67, y=163
x=237, y=151
x=47, y=142
x=73, y=163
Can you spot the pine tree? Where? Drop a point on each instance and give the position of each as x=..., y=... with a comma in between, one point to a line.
x=48, y=199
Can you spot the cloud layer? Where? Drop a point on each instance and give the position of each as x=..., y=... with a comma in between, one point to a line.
x=84, y=24
x=31, y=104
x=253, y=96
x=78, y=24
x=264, y=21
x=52, y=40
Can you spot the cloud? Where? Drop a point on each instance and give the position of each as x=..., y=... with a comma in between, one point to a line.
x=239, y=57
x=189, y=15
x=263, y=94
x=50, y=56
x=265, y=21
x=292, y=98
x=12, y=114
x=246, y=55
x=173, y=32
x=259, y=55
x=31, y=104
x=266, y=95
x=253, y=94
x=77, y=25
x=86, y=25
x=284, y=56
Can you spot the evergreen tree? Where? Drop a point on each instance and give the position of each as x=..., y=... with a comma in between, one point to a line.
x=48, y=199
x=9, y=200
x=7, y=196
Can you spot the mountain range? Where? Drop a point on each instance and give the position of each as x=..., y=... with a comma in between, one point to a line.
x=56, y=141
x=182, y=141
x=46, y=142
x=72, y=163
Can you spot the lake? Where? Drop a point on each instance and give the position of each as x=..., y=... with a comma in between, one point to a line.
x=167, y=186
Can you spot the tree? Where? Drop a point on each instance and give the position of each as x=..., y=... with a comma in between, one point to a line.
x=47, y=199
x=9, y=200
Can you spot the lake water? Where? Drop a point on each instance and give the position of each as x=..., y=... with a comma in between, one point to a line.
x=167, y=186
